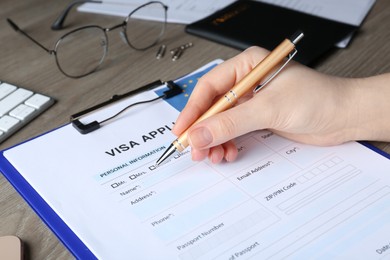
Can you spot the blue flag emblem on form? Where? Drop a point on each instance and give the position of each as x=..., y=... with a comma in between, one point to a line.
x=187, y=83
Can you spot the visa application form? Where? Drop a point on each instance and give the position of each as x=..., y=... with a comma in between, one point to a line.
x=279, y=199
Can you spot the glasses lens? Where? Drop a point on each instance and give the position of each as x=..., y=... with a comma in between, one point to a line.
x=90, y=43
x=146, y=25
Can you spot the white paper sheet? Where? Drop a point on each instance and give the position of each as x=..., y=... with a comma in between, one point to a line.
x=347, y=11
x=179, y=11
x=279, y=199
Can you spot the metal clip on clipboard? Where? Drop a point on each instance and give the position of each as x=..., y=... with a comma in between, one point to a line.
x=173, y=90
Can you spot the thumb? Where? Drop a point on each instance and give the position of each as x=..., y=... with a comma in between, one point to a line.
x=220, y=128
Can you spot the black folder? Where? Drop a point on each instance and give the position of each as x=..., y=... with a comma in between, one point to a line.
x=246, y=23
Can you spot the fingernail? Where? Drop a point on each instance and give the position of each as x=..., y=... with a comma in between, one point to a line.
x=200, y=137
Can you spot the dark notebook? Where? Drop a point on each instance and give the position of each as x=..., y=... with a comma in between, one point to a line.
x=247, y=23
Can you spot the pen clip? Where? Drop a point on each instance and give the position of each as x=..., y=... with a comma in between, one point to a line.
x=289, y=58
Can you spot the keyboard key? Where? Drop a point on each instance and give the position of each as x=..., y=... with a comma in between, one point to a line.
x=18, y=106
x=22, y=112
x=6, y=89
x=7, y=123
x=14, y=99
x=37, y=101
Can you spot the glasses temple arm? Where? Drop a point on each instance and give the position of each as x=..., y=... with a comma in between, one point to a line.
x=16, y=28
x=58, y=23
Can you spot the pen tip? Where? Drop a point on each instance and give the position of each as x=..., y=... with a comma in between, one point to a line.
x=168, y=153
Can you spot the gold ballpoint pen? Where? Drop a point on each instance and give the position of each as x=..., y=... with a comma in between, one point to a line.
x=252, y=79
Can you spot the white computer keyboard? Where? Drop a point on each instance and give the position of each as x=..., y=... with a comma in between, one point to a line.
x=18, y=106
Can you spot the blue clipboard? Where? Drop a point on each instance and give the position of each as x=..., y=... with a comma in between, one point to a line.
x=50, y=217
x=45, y=212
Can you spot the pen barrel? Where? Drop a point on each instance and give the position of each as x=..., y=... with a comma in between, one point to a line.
x=253, y=78
x=263, y=68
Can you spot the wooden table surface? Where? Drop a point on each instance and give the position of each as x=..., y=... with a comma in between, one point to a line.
x=26, y=65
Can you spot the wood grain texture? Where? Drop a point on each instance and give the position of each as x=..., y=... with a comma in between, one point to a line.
x=24, y=64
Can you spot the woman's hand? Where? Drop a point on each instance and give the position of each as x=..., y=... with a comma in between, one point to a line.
x=300, y=104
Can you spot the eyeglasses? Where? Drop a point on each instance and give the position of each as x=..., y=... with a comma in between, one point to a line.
x=81, y=51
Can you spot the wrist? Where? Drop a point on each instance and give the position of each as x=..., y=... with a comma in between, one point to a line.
x=368, y=105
